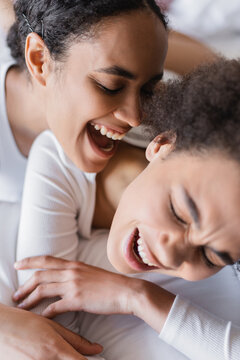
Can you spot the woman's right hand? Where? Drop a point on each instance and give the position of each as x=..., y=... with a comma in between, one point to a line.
x=24, y=336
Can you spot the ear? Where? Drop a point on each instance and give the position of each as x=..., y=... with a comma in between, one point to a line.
x=161, y=146
x=37, y=58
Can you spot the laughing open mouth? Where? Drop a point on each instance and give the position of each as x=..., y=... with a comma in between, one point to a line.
x=105, y=140
x=138, y=249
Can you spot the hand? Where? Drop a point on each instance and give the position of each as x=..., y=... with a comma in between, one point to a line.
x=80, y=287
x=24, y=335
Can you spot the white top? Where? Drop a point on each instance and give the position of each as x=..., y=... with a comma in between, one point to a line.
x=58, y=205
x=12, y=170
x=57, y=210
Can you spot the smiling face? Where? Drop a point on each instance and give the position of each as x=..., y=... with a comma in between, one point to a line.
x=179, y=217
x=95, y=97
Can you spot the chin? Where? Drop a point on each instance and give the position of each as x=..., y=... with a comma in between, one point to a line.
x=89, y=166
x=115, y=260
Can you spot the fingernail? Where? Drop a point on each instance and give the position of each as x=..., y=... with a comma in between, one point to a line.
x=21, y=305
x=16, y=295
x=17, y=265
x=99, y=346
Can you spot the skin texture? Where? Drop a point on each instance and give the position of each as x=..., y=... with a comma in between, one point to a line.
x=71, y=95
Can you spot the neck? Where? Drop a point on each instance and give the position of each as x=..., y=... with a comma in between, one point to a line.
x=122, y=169
x=25, y=110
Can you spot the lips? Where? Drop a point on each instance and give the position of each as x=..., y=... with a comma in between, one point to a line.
x=102, y=145
x=132, y=254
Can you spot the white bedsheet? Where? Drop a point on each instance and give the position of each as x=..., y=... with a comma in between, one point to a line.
x=214, y=22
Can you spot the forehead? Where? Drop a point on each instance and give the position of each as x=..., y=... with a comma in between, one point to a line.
x=136, y=41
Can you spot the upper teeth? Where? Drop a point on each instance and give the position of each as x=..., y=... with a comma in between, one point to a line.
x=142, y=253
x=110, y=134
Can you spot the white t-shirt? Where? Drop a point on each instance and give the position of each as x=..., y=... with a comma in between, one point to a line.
x=12, y=171
x=57, y=210
x=58, y=205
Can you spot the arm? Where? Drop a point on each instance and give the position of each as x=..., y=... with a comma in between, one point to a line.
x=185, y=53
x=49, y=215
x=199, y=334
x=194, y=332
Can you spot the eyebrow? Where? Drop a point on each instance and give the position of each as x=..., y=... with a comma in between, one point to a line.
x=224, y=256
x=119, y=71
x=192, y=207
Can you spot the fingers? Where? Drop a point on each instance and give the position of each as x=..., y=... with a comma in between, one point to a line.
x=79, y=343
x=43, y=291
x=39, y=277
x=56, y=308
x=43, y=262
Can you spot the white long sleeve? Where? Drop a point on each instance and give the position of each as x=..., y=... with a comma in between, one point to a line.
x=57, y=206
x=200, y=335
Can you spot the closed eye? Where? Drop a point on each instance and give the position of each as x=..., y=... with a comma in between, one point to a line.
x=176, y=216
x=206, y=259
x=107, y=90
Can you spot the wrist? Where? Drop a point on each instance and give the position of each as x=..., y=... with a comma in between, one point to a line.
x=151, y=303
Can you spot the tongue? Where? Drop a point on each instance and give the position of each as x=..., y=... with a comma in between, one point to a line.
x=100, y=140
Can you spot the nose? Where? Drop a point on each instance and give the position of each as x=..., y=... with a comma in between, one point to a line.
x=172, y=249
x=129, y=111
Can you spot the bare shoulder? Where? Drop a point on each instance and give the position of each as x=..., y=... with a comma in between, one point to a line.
x=122, y=169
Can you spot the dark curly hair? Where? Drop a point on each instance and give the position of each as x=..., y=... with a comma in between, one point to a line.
x=202, y=108
x=59, y=21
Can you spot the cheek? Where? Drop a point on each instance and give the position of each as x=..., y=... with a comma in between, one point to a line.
x=196, y=272
x=85, y=99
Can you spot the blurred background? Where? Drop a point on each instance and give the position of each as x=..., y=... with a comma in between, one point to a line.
x=213, y=22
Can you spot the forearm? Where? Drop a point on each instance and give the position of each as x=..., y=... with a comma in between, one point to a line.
x=151, y=303
x=200, y=335
x=191, y=330
x=48, y=224
x=185, y=54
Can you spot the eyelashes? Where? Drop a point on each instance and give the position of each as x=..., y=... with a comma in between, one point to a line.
x=107, y=90
x=206, y=259
x=177, y=217
x=147, y=91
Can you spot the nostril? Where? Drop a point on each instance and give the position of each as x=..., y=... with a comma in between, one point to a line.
x=173, y=252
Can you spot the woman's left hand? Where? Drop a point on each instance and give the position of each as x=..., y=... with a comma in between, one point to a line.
x=79, y=286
